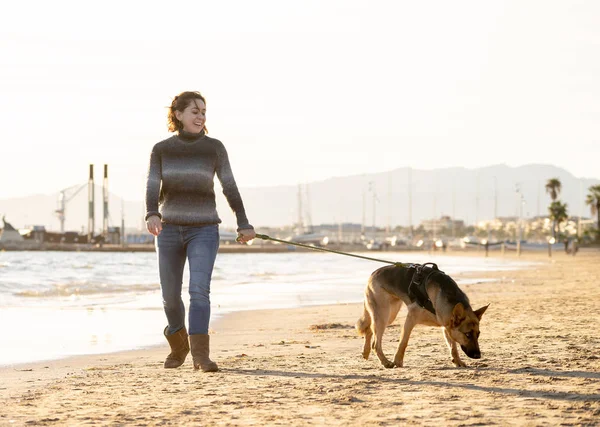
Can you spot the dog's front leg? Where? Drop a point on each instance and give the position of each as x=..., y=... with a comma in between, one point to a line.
x=453, y=350
x=409, y=324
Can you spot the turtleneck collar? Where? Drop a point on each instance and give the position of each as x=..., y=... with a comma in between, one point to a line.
x=186, y=136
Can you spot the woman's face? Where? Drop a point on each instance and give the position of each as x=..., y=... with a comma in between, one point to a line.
x=193, y=117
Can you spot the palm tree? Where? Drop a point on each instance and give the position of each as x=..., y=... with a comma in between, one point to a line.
x=593, y=199
x=553, y=187
x=558, y=213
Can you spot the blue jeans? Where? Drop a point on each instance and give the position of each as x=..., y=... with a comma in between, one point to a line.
x=199, y=245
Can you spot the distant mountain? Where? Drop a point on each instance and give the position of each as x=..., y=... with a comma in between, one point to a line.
x=467, y=194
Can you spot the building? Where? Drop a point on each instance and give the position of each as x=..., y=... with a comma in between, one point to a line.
x=443, y=223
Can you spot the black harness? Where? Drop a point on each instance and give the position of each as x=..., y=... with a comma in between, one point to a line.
x=416, y=290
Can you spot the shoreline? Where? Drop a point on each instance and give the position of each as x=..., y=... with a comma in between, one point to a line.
x=102, y=341
x=270, y=248
x=540, y=365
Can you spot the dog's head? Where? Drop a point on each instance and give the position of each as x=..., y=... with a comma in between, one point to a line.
x=464, y=328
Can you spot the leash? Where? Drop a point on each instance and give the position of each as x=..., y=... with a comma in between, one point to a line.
x=416, y=288
x=320, y=248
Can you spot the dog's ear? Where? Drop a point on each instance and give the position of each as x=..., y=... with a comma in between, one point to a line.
x=479, y=312
x=458, y=314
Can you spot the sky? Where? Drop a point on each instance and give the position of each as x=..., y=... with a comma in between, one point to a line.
x=297, y=91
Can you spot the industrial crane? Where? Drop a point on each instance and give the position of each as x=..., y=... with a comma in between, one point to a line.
x=63, y=198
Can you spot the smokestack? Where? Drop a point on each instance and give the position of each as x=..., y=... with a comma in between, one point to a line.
x=91, y=204
x=105, y=195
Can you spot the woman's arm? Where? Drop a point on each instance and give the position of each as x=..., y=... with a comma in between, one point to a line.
x=153, y=184
x=230, y=189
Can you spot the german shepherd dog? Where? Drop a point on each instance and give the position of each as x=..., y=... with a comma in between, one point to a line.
x=439, y=302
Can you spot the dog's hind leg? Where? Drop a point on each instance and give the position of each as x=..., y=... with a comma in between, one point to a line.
x=409, y=324
x=453, y=350
x=363, y=326
x=379, y=318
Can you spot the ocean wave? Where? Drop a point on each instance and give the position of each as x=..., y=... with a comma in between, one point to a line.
x=264, y=274
x=83, y=266
x=69, y=290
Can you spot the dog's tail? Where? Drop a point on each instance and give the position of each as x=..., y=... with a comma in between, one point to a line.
x=364, y=323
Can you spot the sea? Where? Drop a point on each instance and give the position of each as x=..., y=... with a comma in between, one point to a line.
x=59, y=304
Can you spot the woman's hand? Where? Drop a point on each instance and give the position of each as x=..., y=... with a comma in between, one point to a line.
x=245, y=236
x=154, y=225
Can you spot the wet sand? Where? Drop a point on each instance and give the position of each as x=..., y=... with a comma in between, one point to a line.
x=540, y=365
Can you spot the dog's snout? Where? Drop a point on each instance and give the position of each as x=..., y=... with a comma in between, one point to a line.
x=474, y=354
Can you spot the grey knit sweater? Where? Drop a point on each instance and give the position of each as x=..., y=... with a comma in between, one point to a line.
x=180, y=182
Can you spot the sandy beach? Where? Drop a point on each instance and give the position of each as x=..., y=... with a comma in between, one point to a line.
x=540, y=365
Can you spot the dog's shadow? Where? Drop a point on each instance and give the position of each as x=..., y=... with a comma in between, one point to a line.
x=546, y=372
x=553, y=395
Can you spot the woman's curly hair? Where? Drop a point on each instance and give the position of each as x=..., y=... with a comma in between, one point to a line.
x=180, y=103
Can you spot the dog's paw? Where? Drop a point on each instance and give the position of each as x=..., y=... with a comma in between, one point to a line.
x=399, y=364
x=388, y=364
x=459, y=363
x=365, y=355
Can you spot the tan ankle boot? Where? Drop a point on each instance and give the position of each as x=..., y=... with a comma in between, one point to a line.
x=200, y=352
x=180, y=347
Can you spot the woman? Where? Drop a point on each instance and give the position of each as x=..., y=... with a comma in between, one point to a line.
x=181, y=213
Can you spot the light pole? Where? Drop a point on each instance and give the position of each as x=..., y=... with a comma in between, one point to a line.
x=364, y=210
x=551, y=241
x=410, y=225
x=520, y=201
x=372, y=189
x=495, y=197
